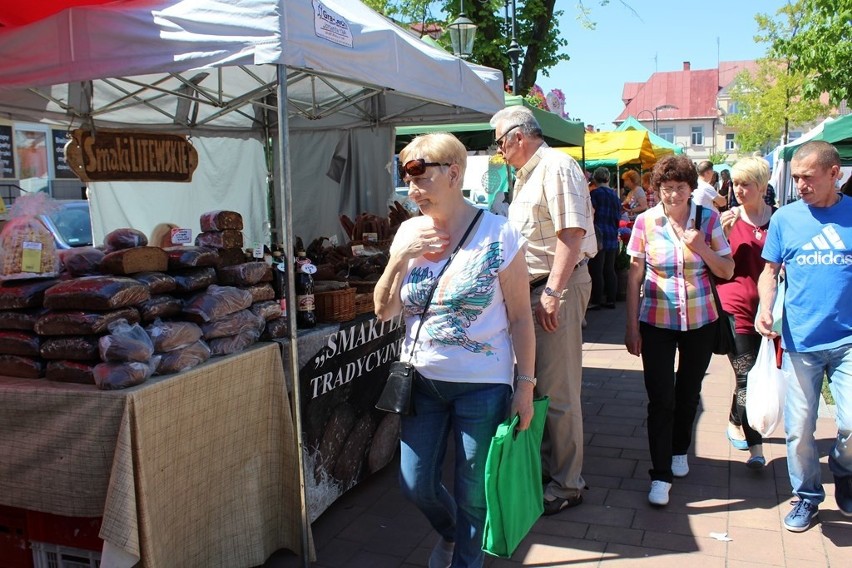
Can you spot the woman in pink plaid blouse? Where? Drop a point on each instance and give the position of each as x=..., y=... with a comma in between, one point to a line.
x=673, y=259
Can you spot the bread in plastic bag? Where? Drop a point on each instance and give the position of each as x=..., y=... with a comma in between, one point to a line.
x=17, y=295
x=83, y=261
x=24, y=343
x=221, y=220
x=125, y=343
x=275, y=329
x=114, y=376
x=171, y=335
x=268, y=310
x=162, y=306
x=183, y=359
x=157, y=282
x=124, y=239
x=27, y=248
x=261, y=292
x=65, y=371
x=234, y=343
x=215, y=303
x=22, y=367
x=191, y=257
x=75, y=347
x=23, y=320
x=99, y=293
x=245, y=274
x=72, y=322
x=232, y=324
x=194, y=279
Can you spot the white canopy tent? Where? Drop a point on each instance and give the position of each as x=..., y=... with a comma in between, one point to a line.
x=215, y=70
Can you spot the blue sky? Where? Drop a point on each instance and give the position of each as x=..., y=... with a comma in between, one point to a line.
x=626, y=47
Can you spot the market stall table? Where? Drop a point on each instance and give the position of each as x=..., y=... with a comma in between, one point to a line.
x=193, y=469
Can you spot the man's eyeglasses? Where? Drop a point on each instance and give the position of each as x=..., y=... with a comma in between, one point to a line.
x=502, y=140
x=415, y=168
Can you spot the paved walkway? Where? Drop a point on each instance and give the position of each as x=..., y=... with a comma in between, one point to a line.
x=372, y=526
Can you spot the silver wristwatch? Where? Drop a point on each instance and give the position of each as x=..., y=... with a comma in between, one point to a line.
x=527, y=378
x=548, y=291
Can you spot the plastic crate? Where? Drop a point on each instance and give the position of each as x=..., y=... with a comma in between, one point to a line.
x=47, y=555
x=14, y=550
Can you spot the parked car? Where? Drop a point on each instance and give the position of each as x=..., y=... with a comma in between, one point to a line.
x=70, y=224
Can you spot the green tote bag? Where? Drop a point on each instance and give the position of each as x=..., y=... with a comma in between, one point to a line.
x=513, y=492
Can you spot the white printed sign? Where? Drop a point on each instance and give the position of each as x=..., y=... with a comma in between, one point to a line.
x=181, y=236
x=329, y=25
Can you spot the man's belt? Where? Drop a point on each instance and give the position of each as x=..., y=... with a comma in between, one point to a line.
x=542, y=279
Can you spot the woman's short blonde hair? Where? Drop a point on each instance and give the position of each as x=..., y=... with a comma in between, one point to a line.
x=751, y=169
x=441, y=147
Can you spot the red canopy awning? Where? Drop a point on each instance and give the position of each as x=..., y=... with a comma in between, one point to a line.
x=20, y=13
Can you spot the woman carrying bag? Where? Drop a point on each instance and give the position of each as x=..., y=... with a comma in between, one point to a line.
x=472, y=291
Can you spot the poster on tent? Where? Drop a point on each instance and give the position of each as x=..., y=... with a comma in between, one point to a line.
x=61, y=169
x=7, y=153
x=342, y=372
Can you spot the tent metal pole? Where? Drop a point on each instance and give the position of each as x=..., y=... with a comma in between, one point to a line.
x=284, y=190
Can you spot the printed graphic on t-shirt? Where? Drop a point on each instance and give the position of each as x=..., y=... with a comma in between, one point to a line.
x=827, y=247
x=461, y=297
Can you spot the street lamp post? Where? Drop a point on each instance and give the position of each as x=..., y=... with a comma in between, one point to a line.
x=514, y=52
x=654, y=112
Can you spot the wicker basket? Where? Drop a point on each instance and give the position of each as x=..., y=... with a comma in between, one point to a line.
x=363, y=286
x=364, y=303
x=336, y=305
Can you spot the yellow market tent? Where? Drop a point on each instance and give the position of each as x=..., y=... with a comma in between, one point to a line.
x=615, y=149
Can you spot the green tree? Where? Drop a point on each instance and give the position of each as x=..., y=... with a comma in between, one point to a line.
x=815, y=38
x=769, y=102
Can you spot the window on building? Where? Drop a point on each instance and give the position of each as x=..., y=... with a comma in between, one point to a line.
x=697, y=136
x=666, y=133
x=729, y=142
x=733, y=107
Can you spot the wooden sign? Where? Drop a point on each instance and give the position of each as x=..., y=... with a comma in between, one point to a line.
x=118, y=155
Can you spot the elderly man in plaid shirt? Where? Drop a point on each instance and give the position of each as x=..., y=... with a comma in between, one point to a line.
x=552, y=209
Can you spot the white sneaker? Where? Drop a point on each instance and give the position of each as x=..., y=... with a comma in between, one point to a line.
x=679, y=466
x=442, y=554
x=659, y=494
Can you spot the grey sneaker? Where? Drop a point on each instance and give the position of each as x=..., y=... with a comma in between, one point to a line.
x=802, y=515
x=659, y=494
x=680, y=467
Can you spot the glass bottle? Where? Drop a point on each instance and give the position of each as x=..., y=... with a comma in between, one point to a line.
x=304, y=283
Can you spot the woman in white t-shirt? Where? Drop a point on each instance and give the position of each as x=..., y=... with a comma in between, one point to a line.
x=476, y=325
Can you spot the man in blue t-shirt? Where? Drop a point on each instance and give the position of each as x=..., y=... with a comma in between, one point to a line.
x=812, y=239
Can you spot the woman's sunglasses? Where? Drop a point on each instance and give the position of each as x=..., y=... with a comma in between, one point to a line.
x=415, y=168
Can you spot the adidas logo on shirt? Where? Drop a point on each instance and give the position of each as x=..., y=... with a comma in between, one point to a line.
x=828, y=248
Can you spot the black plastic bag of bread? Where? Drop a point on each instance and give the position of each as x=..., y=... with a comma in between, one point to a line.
x=99, y=293
x=138, y=259
x=157, y=282
x=114, y=376
x=21, y=367
x=275, y=329
x=124, y=239
x=24, y=294
x=125, y=343
x=245, y=274
x=162, y=307
x=72, y=322
x=183, y=359
x=221, y=220
x=260, y=292
x=75, y=347
x=191, y=257
x=268, y=310
x=24, y=343
x=80, y=372
x=84, y=261
x=231, y=256
x=228, y=239
x=22, y=320
x=232, y=324
x=233, y=343
x=194, y=279
x=215, y=303
x=171, y=335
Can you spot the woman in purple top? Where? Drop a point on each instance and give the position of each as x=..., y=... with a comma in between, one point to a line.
x=745, y=227
x=671, y=262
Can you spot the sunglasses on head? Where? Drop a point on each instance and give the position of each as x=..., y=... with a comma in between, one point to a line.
x=415, y=168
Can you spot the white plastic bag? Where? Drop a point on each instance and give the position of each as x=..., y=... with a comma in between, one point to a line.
x=765, y=391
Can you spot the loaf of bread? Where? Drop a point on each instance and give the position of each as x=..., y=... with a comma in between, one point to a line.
x=245, y=274
x=194, y=279
x=231, y=256
x=124, y=239
x=133, y=260
x=24, y=293
x=22, y=367
x=84, y=261
x=23, y=320
x=24, y=343
x=162, y=306
x=267, y=310
x=171, y=335
x=157, y=282
x=71, y=322
x=125, y=343
x=27, y=250
x=232, y=324
x=220, y=239
x=221, y=221
x=183, y=359
x=113, y=376
x=215, y=303
x=233, y=343
x=76, y=347
x=80, y=372
x=191, y=257
x=99, y=293
x=275, y=329
x=261, y=292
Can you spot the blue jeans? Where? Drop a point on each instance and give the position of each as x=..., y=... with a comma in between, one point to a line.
x=805, y=372
x=472, y=412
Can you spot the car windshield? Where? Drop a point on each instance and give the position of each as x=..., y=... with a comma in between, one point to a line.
x=73, y=225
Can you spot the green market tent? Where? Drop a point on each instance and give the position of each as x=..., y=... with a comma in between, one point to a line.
x=837, y=132
x=479, y=135
x=660, y=145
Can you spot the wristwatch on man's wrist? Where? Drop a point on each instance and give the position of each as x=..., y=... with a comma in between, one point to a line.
x=548, y=291
x=527, y=378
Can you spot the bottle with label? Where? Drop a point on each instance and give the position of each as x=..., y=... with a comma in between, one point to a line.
x=279, y=280
x=304, y=283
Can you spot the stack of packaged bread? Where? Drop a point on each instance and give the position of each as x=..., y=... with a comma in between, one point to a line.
x=120, y=313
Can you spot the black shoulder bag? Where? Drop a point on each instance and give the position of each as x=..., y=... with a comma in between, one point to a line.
x=723, y=342
x=396, y=396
